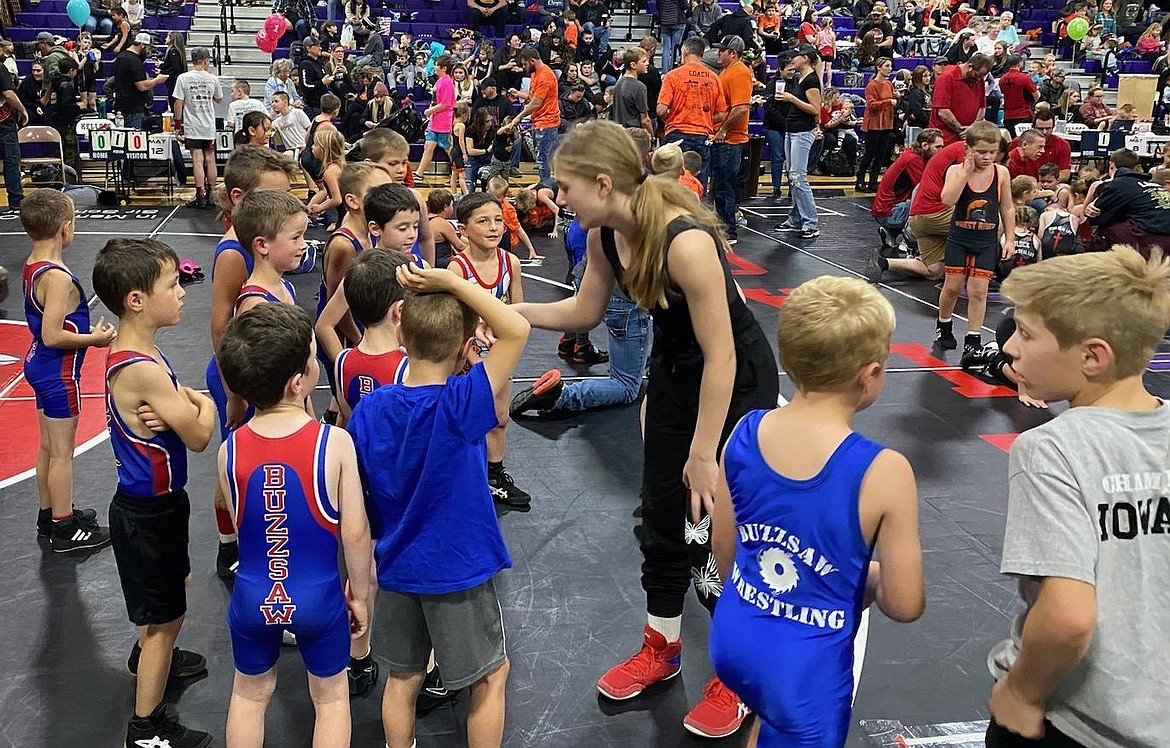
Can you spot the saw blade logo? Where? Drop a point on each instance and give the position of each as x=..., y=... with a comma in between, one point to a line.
x=778, y=570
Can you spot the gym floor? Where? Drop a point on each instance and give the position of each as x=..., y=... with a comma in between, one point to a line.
x=572, y=602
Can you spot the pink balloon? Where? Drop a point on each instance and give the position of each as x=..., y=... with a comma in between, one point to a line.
x=263, y=40
x=275, y=25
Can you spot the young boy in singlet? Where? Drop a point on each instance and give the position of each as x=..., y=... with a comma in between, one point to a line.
x=980, y=190
x=250, y=167
x=1087, y=513
x=291, y=477
x=440, y=211
x=481, y=219
x=153, y=421
x=271, y=226
x=388, y=148
x=1048, y=177
x=421, y=453
x=57, y=313
x=804, y=502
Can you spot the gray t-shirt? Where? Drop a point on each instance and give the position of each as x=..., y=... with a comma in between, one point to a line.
x=198, y=90
x=629, y=101
x=1087, y=500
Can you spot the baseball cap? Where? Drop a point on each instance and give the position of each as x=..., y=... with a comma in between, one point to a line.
x=312, y=41
x=941, y=61
x=45, y=37
x=806, y=50
x=199, y=54
x=731, y=42
x=143, y=38
x=489, y=82
x=1058, y=73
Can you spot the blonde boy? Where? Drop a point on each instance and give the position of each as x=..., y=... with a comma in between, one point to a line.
x=1088, y=516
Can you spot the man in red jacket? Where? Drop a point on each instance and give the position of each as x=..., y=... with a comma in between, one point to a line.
x=1056, y=148
x=1019, y=94
x=1026, y=158
x=891, y=205
x=960, y=97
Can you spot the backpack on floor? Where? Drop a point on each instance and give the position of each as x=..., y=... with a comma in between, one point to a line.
x=836, y=164
x=407, y=122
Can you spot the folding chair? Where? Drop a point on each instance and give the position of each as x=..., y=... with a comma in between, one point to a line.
x=46, y=140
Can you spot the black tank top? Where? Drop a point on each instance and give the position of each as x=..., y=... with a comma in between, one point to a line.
x=674, y=335
x=977, y=213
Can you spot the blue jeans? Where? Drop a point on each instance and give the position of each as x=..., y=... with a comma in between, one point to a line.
x=629, y=338
x=725, y=158
x=797, y=146
x=776, y=151
x=897, y=219
x=471, y=170
x=672, y=39
x=302, y=28
x=11, y=154
x=93, y=24
x=334, y=10
x=134, y=121
x=545, y=139
x=696, y=143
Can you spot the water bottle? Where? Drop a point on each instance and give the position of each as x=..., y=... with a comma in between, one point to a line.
x=101, y=102
x=119, y=120
x=168, y=121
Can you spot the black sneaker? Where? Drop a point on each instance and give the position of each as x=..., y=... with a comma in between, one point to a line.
x=434, y=692
x=972, y=344
x=565, y=347
x=363, y=674
x=504, y=490
x=227, y=560
x=977, y=360
x=588, y=354
x=732, y=238
x=71, y=535
x=184, y=664
x=163, y=730
x=944, y=336
x=875, y=265
x=889, y=240
x=45, y=519
x=542, y=395
x=199, y=203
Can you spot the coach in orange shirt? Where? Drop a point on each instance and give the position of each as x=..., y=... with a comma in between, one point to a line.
x=728, y=141
x=691, y=103
x=543, y=105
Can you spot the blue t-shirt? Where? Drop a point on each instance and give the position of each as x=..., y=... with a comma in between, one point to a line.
x=423, y=462
x=575, y=239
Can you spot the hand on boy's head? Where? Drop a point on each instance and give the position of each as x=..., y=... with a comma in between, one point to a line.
x=426, y=280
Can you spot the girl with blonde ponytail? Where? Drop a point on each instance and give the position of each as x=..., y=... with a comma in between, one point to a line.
x=710, y=364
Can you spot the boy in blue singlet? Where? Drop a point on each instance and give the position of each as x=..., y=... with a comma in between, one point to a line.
x=271, y=227
x=251, y=167
x=57, y=313
x=980, y=189
x=497, y=271
x=805, y=502
x=391, y=151
x=421, y=451
x=293, y=488
x=153, y=421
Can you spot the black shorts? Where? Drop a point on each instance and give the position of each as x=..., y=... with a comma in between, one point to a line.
x=962, y=258
x=199, y=145
x=150, y=546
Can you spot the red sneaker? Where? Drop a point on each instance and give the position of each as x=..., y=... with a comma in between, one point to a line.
x=718, y=714
x=656, y=661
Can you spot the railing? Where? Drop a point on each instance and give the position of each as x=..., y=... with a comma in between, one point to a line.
x=226, y=7
x=217, y=55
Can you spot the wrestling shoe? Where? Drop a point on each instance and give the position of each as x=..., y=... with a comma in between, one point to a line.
x=542, y=395
x=889, y=240
x=434, y=692
x=72, y=535
x=565, y=346
x=875, y=265
x=979, y=358
x=504, y=490
x=944, y=335
x=227, y=560
x=45, y=519
x=362, y=674
x=655, y=662
x=163, y=730
x=184, y=664
x=587, y=354
x=718, y=714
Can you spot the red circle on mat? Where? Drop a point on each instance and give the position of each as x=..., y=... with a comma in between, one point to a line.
x=18, y=407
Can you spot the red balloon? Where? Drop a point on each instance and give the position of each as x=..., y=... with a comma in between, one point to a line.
x=275, y=24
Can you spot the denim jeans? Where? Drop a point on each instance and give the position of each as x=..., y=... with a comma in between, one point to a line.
x=302, y=28
x=546, y=139
x=335, y=10
x=797, y=146
x=897, y=219
x=93, y=24
x=11, y=154
x=776, y=151
x=696, y=143
x=672, y=39
x=134, y=121
x=725, y=158
x=629, y=337
x=472, y=168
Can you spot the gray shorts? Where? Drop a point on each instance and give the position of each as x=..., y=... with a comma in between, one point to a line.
x=466, y=630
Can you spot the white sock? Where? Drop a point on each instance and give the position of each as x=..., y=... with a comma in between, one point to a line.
x=944, y=321
x=227, y=538
x=670, y=628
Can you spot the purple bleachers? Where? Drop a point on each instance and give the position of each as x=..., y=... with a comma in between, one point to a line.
x=59, y=23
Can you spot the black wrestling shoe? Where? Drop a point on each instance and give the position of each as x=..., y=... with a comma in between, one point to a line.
x=944, y=336
x=362, y=673
x=542, y=395
x=587, y=354
x=565, y=347
x=71, y=535
x=227, y=560
x=433, y=693
x=45, y=519
x=977, y=360
x=875, y=265
x=184, y=664
x=504, y=490
x=163, y=730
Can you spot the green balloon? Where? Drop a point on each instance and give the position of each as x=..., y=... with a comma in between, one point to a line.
x=1077, y=29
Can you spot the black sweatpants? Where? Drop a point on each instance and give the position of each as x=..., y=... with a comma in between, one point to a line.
x=879, y=144
x=670, y=563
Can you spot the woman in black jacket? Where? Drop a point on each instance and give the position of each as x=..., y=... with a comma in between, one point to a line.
x=174, y=64
x=916, y=101
x=775, y=112
x=509, y=72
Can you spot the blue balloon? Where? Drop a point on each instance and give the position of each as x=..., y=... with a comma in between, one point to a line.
x=78, y=11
